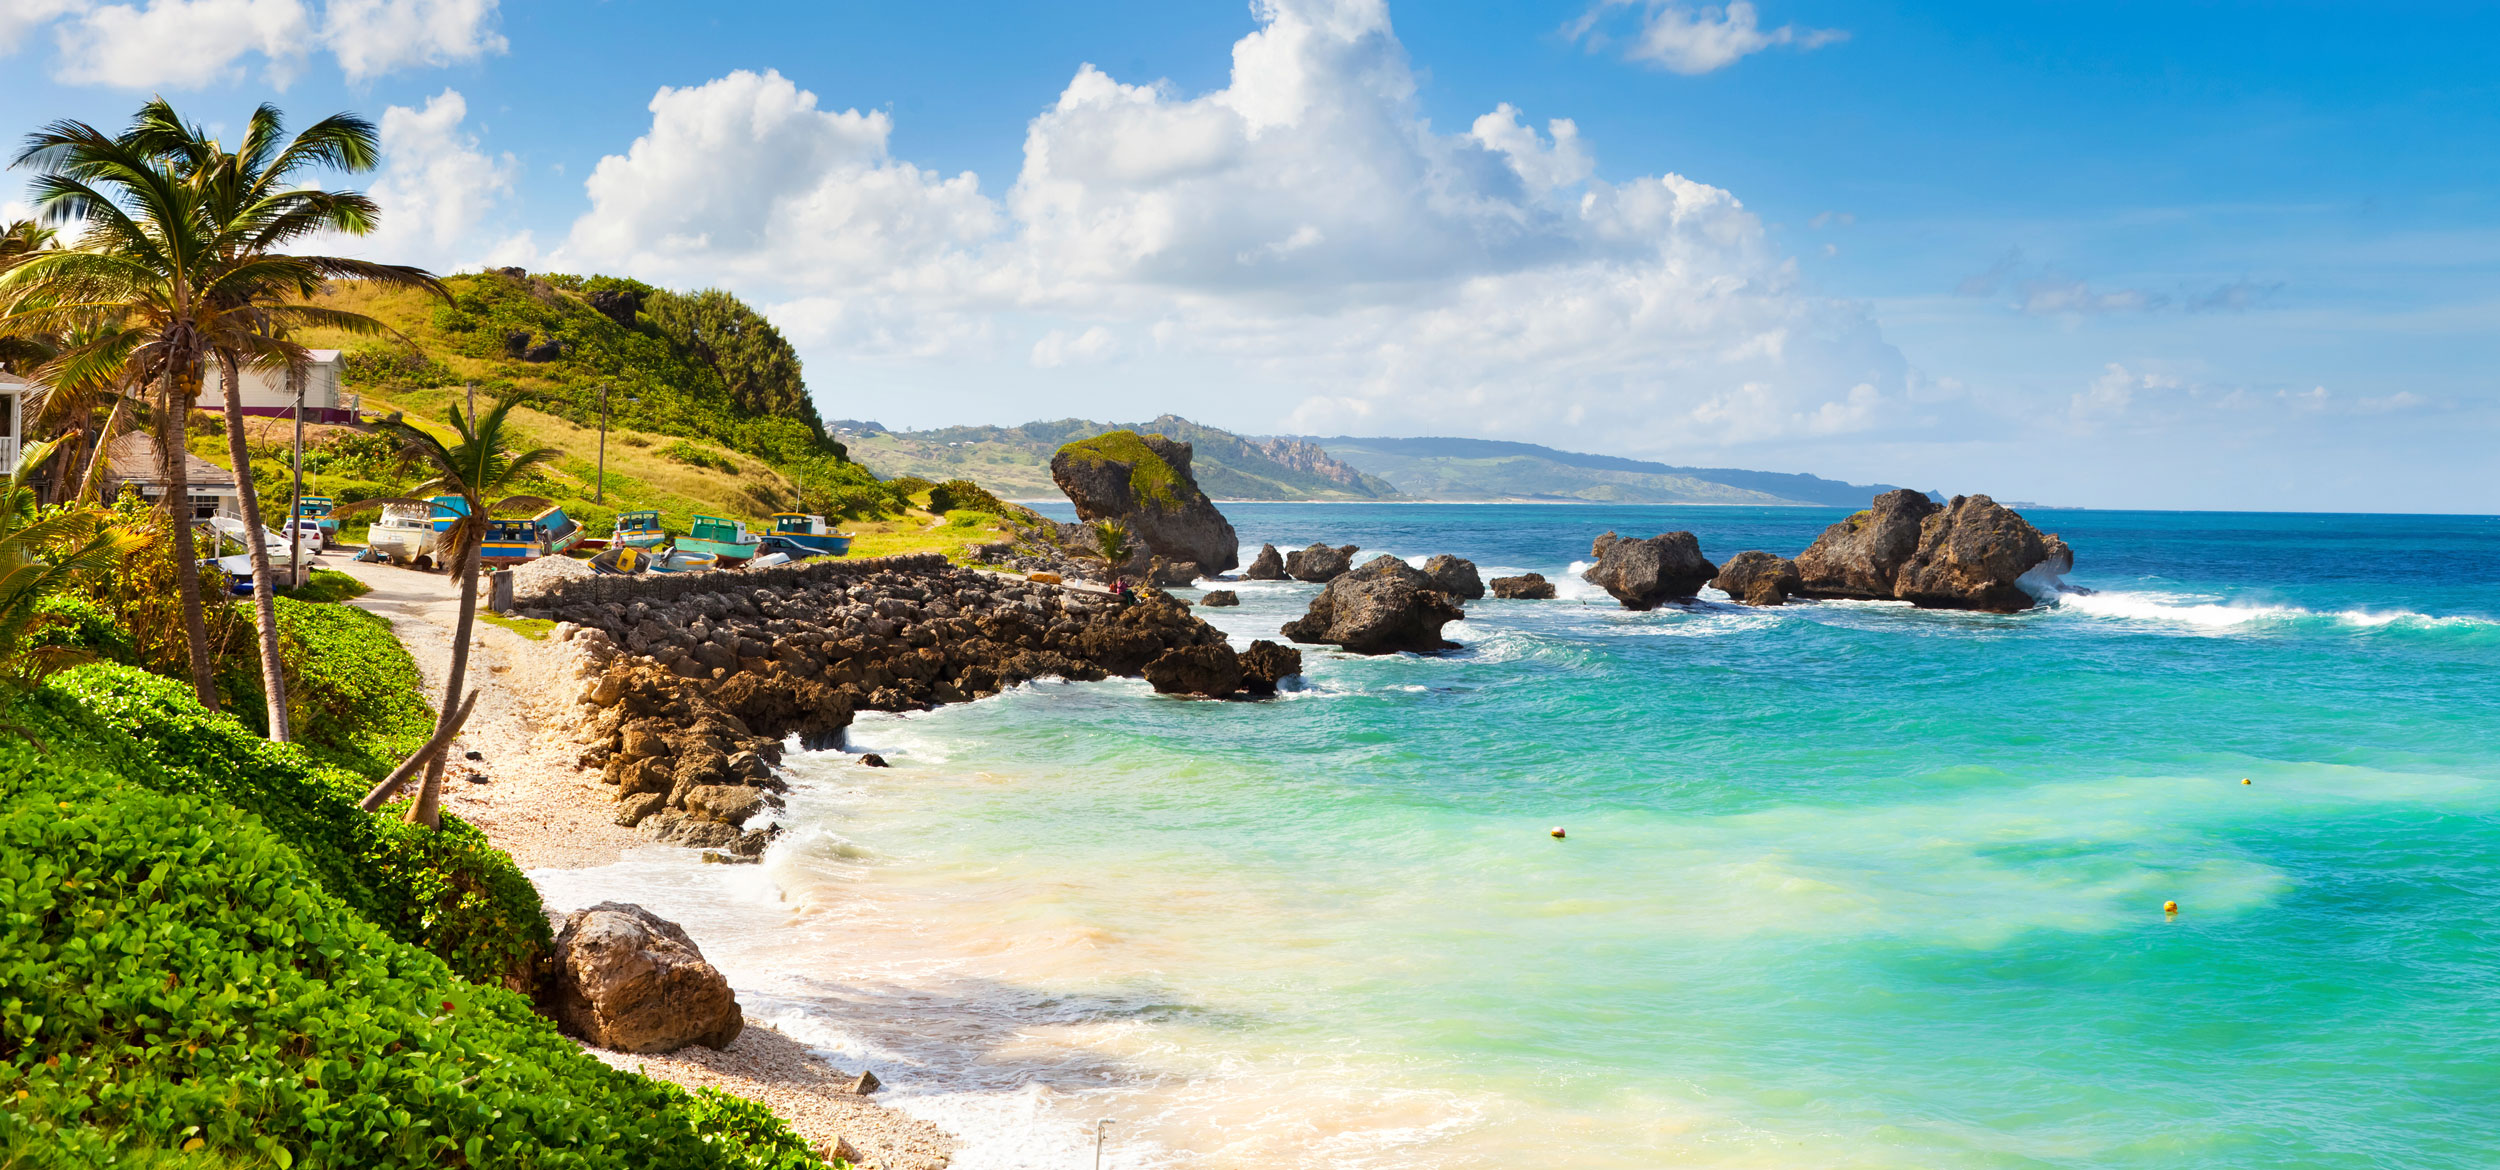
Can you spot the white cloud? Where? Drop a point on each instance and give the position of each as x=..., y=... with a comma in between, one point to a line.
x=2112, y=395
x=1300, y=241
x=437, y=189
x=1695, y=39
x=188, y=44
x=184, y=44
x=373, y=37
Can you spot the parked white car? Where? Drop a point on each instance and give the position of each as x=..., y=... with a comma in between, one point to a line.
x=310, y=532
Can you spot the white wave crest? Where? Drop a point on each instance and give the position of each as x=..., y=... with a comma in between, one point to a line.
x=2203, y=613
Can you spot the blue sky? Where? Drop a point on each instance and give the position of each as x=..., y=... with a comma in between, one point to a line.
x=2181, y=255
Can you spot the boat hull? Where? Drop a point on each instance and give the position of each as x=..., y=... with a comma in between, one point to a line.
x=722, y=549
x=826, y=544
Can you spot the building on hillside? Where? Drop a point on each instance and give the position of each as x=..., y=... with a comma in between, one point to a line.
x=13, y=391
x=131, y=461
x=265, y=392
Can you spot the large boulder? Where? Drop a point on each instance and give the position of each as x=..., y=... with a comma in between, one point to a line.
x=1265, y=664
x=1384, y=607
x=1455, y=576
x=1320, y=564
x=1143, y=481
x=1211, y=670
x=1975, y=553
x=1642, y=574
x=1267, y=566
x=1525, y=587
x=1861, y=557
x=631, y=981
x=1219, y=598
x=1758, y=578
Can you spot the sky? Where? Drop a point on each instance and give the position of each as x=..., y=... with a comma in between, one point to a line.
x=2167, y=255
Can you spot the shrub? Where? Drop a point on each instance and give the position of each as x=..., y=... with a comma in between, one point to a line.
x=175, y=980
x=694, y=456
x=964, y=494
x=448, y=891
x=327, y=586
x=74, y=622
x=352, y=691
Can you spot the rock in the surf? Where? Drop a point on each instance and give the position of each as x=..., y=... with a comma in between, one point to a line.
x=1755, y=577
x=1269, y=565
x=1211, y=670
x=1266, y=664
x=1385, y=607
x=631, y=981
x=1455, y=576
x=1975, y=553
x=1172, y=574
x=1643, y=574
x=1861, y=557
x=1320, y=564
x=1525, y=587
x=1219, y=598
x=1143, y=481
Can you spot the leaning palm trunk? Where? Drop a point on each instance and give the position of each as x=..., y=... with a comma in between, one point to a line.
x=171, y=447
x=428, y=809
x=99, y=459
x=264, y=585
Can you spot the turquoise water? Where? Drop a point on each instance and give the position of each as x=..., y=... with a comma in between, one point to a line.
x=1845, y=884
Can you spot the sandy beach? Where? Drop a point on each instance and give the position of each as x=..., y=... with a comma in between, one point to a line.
x=539, y=807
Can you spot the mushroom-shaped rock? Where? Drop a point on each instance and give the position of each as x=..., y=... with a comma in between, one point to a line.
x=1269, y=565
x=1642, y=574
x=1265, y=664
x=1320, y=564
x=1143, y=481
x=1861, y=557
x=1212, y=670
x=1758, y=578
x=631, y=981
x=1525, y=587
x=1382, y=608
x=1975, y=554
x=1455, y=576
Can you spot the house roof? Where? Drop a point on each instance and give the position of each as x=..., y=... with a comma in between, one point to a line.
x=133, y=459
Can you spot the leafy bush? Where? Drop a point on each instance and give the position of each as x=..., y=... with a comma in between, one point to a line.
x=352, y=691
x=449, y=891
x=965, y=494
x=694, y=456
x=173, y=979
x=75, y=622
x=327, y=586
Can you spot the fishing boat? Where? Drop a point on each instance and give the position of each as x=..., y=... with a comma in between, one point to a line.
x=624, y=560
x=446, y=510
x=638, y=530
x=319, y=509
x=405, y=535
x=810, y=533
x=514, y=542
x=681, y=561
x=727, y=540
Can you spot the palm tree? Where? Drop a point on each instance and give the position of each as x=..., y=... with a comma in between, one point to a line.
x=479, y=466
x=39, y=556
x=179, y=251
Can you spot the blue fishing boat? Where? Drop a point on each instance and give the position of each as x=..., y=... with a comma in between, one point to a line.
x=319, y=509
x=446, y=510
x=727, y=540
x=681, y=561
x=810, y=533
x=513, y=542
x=638, y=530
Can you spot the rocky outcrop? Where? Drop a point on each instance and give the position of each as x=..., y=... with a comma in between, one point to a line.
x=1267, y=566
x=1265, y=664
x=1861, y=557
x=1643, y=574
x=631, y=981
x=1755, y=577
x=1975, y=553
x=1219, y=598
x=1525, y=587
x=1455, y=576
x=1172, y=574
x=1143, y=481
x=617, y=304
x=1320, y=564
x=1213, y=671
x=1385, y=607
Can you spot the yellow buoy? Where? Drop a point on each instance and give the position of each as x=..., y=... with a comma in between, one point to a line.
x=1558, y=832
x=2170, y=907
x=2243, y=779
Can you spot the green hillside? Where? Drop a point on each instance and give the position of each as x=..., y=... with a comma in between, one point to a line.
x=1015, y=461
x=1492, y=469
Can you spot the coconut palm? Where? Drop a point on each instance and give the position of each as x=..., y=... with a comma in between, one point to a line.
x=179, y=251
x=40, y=556
x=482, y=468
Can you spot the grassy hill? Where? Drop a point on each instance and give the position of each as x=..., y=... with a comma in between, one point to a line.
x=1015, y=461
x=1491, y=469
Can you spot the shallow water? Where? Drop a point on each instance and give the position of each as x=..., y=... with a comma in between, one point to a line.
x=1845, y=885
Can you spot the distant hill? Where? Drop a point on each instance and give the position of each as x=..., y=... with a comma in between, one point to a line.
x=1015, y=461
x=1493, y=469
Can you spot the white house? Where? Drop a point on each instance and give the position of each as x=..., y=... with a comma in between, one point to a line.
x=13, y=391
x=265, y=392
x=132, y=460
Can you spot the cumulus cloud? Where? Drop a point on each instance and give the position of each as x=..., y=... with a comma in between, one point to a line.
x=1695, y=39
x=437, y=189
x=187, y=44
x=1302, y=234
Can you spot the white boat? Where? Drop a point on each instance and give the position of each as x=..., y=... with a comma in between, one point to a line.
x=405, y=535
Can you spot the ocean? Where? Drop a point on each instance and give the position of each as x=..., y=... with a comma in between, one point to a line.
x=1844, y=885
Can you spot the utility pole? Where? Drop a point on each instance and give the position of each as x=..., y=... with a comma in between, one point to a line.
x=295, y=506
x=603, y=443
